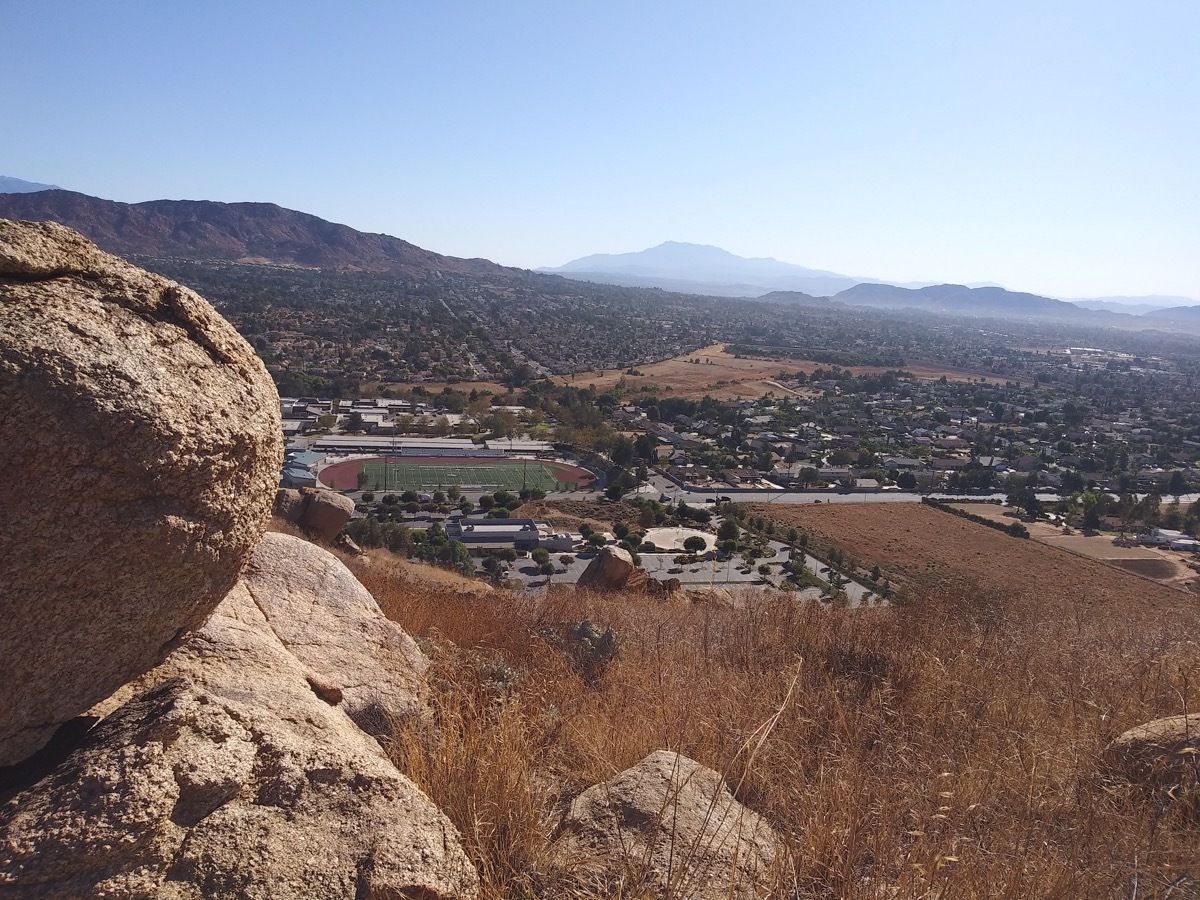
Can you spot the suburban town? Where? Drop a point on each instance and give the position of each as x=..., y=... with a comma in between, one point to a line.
x=1083, y=439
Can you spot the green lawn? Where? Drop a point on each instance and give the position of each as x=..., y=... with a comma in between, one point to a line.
x=509, y=476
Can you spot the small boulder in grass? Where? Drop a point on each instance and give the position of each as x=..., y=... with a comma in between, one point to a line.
x=1162, y=755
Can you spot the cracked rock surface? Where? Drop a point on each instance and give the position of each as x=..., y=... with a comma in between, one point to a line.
x=142, y=446
x=667, y=827
x=230, y=775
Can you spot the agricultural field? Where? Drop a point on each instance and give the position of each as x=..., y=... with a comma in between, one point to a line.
x=916, y=546
x=1166, y=566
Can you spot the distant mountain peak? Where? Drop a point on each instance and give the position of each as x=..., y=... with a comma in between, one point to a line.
x=702, y=268
x=10, y=185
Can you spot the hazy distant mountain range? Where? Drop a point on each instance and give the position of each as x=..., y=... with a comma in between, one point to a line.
x=1137, y=306
x=702, y=269
x=266, y=234
x=233, y=232
x=9, y=185
x=698, y=268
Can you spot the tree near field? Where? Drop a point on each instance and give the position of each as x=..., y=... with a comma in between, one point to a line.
x=622, y=452
x=1095, y=506
x=1177, y=484
x=646, y=448
x=1149, y=509
x=906, y=481
x=728, y=531
x=695, y=544
x=1026, y=499
x=646, y=517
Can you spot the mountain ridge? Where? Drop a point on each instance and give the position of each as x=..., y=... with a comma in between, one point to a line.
x=702, y=267
x=209, y=230
x=10, y=185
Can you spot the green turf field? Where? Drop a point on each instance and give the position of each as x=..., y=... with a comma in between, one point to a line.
x=509, y=476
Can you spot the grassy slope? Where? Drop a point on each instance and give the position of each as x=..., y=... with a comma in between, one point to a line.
x=948, y=748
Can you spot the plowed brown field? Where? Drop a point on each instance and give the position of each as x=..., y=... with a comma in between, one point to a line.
x=913, y=543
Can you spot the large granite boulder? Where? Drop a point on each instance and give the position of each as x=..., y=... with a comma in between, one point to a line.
x=612, y=569
x=142, y=451
x=351, y=653
x=667, y=827
x=321, y=513
x=236, y=771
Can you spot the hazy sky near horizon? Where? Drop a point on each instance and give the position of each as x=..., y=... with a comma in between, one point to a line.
x=1051, y=147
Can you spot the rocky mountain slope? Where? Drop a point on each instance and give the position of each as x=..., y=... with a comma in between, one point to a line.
x=234, y=232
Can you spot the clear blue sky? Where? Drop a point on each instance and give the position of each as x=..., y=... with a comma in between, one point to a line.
x=1048, y=146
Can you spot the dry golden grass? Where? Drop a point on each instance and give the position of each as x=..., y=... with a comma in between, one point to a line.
x=724, y=376
x=947, y=748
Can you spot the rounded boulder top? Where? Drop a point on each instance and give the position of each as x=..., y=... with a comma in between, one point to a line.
x=142, y=451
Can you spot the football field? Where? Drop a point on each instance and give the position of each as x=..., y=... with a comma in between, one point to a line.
x=400, y=475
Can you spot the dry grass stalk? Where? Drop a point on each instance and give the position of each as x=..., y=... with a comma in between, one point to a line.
x=948, y=748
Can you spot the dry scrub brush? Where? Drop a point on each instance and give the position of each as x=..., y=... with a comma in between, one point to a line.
x=946, y=748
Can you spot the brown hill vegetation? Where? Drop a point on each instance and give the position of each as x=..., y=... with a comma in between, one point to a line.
x=950, y=747
x=234, y=232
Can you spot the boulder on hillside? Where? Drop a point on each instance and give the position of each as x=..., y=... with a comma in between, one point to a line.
x=667, y=827
x=321, y=513
x=1158, y=754
x=669, y=590
x=612, y=569
x=237, y=772
x=714, y=595
x=143, y=445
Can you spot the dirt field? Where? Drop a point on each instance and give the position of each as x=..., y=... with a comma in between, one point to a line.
x=1167, y=566
x=570, y=514
x=725, y=377
x=912, y=543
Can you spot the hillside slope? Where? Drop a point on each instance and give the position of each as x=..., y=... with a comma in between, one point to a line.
x=234, y=232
